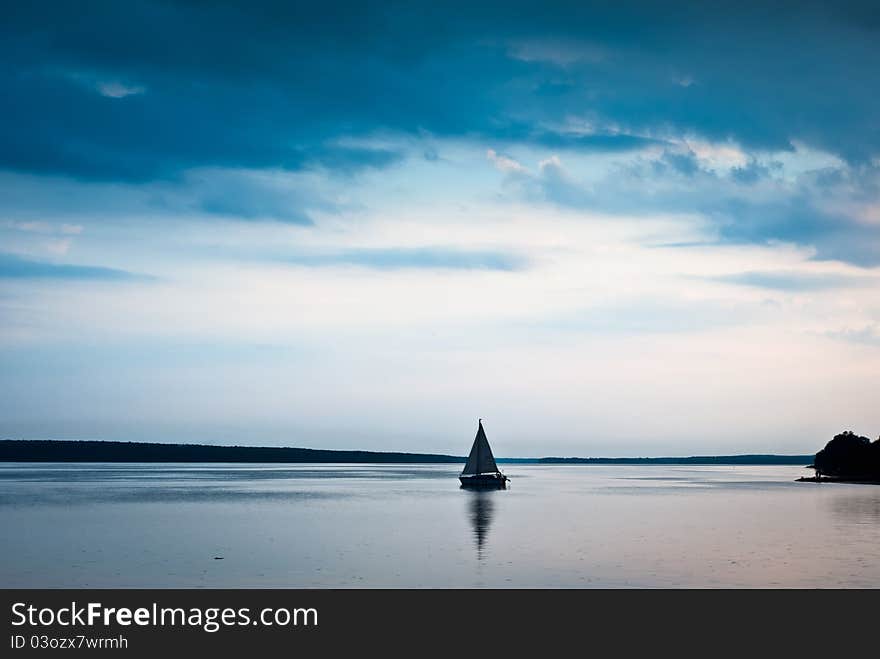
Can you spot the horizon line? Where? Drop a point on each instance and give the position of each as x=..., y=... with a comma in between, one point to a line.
x=165, y=450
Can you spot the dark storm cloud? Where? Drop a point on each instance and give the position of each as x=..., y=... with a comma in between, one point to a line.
x=147, y=90
x=272, y=84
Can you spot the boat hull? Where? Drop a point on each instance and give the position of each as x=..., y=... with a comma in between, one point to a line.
x=484, y=481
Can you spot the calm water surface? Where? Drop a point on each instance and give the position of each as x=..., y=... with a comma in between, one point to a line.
x=147, y=525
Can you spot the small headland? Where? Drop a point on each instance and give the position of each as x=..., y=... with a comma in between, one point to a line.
x=847, y=458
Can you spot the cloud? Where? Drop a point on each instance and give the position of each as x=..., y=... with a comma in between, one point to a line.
x=602, y=141
x=559, y=52
x=180, y=126
x=649, y=316
x=405, y=258
x=867, y=335
x=685, y=163
x=92, y=81
x=684, y=81
x=793, y=281
x=830, y=209
x=59, y=247
x=348, y=160
x=250, y=195
x=16, y=267
x=752, y=172
x=115, y=89
x=505, y=164
x=260, y=84
x=39, y=226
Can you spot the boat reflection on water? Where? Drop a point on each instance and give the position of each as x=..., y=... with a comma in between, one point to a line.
x=481, y=508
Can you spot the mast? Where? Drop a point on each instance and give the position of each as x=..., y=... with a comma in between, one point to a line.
x=477, y=441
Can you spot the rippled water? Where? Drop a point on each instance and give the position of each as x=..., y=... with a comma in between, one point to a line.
x=153, y=525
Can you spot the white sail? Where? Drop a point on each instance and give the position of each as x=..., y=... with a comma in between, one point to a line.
x=480, y=460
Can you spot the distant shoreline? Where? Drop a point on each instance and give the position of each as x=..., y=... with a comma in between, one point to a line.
x=14, y=450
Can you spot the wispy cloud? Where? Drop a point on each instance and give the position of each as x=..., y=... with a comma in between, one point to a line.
x=505, y=164
x=867, y=335
x=37, y=226
x=16, y=267
x=105, y=86
x=116, y=89
x=404, y=258
x=794, y=281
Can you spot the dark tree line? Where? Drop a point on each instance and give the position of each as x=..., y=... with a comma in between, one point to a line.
x=99, y=451
x=849, y=456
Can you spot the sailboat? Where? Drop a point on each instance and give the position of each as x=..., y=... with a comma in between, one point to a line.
x=481, y=470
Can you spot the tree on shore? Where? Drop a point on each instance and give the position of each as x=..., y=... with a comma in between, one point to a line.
x=849, y=456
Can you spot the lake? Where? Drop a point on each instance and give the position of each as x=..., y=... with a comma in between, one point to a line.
x=321, y=525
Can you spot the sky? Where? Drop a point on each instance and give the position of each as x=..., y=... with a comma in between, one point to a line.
x=607, y=228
